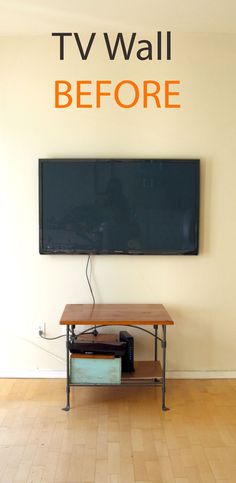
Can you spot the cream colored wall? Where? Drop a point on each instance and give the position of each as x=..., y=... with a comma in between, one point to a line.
x=199, y=292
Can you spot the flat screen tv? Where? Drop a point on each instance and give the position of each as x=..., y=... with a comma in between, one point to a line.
x=119, y=206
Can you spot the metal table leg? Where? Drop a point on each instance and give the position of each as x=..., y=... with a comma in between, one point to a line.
x=155, y=346
x=156, y=335
x=67, y=407
x=163, y=344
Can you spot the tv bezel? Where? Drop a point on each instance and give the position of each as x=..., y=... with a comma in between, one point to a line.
x=42, y=251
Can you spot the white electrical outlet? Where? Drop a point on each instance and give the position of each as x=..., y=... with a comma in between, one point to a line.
x=42, y=329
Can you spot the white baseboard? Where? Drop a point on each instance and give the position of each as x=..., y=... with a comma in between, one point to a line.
x=201, y=374
x=34, y=374
x=44, y=374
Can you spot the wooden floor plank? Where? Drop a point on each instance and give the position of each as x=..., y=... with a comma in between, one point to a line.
x=117, y=435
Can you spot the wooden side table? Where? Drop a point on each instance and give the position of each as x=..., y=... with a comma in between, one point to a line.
x=139, y=316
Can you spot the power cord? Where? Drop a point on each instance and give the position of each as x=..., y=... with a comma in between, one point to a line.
x=89, y=283
x=95, y=332
x=50, y=338
x=94, y=329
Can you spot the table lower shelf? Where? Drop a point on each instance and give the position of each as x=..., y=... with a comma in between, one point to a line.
x=146, y=373
x=144, y=370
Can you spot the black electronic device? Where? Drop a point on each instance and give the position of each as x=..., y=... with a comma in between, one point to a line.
x=119, y=206
x=97, y=344
x=127, y=361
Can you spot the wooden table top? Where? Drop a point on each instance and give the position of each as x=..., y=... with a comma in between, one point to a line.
x=115, y=314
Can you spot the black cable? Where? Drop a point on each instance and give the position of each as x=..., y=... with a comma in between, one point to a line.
x=52, y=338
x=89, y=283
x=91, y=330
x=91, y=291
x=120, y=325
x=94, y=302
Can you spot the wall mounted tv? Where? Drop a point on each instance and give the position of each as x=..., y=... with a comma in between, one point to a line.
x=119, y=206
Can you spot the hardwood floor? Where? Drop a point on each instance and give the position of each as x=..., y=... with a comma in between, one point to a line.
x=117, y=435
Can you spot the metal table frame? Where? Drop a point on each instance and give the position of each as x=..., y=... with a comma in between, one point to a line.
x=161, y=381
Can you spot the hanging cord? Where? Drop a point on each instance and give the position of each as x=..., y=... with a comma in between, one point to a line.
x=87, y=276
x=94, y=329
x=95, y=332
x=51, y=338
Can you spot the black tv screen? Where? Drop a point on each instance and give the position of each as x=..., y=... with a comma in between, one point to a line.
x=129, y=206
